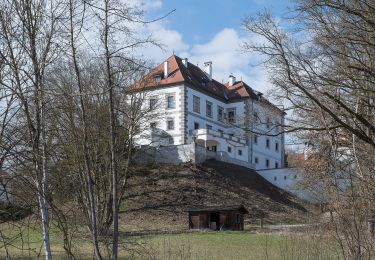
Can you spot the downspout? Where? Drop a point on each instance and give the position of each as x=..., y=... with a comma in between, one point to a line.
x=251, y=131
x=249, y=128
x=283, y=143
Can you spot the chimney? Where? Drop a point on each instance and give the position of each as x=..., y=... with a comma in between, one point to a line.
x=165, y=69
x=185, y=62
x=208, y=69
x=232, y=79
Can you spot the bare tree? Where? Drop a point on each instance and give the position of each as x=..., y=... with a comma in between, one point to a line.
x=116, y=19
x=28, y=33
x=322, y=69
x=74, y=10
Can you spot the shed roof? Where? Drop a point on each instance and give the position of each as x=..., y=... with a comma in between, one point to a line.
x=240, y=208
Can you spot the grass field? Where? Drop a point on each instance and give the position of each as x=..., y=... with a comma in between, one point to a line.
x=238, y=245
x=194, y=245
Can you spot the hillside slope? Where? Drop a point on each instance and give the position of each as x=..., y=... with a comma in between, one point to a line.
x=157, y=196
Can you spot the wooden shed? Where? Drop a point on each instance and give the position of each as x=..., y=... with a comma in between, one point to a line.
x=217, y=218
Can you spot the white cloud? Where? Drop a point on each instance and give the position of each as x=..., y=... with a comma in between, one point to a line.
x=146, y=5
x=152, y=4
x=171, y=41
x=223, y=50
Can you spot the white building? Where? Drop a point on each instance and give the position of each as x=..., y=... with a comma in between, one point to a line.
x=231, y=121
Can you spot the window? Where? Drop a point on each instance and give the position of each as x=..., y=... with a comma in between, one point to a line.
x=284, y=177
x=239, y=152
x=231, y=115
x=256, y=117
x=196, y=125
x=153, y=102
x=255, y=139
x=208, y=109
x=268, y=143
x=214, y=148
x=276, y=165
x=229, y=149
x=268, y=123
x=276, y=147
x=267, y=163
x=170, y=125
x=220, y=113
x=209, y=127
x=170, y=102
x=256, y=160
x=275, y=178
x=196, y=104
x=170, y=140
x=153, y=125
x=157, y=78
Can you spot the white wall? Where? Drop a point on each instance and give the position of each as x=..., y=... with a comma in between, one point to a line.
x=289, y=180
x=160, y=115
x=208, y=138
x=203, y=120
x=259, y=149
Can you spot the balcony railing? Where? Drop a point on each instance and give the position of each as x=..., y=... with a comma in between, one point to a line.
x=202, y=131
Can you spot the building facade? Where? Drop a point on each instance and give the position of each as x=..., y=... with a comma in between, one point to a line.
x=186, y=105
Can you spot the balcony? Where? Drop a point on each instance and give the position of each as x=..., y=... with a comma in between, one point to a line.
x=209, y=134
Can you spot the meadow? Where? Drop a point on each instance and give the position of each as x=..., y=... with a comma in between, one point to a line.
x=187, y=245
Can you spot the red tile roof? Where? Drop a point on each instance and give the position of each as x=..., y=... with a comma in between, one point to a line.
x=195, y=77
x=240, y=90
x=178, y=73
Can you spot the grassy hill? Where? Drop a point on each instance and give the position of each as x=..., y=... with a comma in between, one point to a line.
x=157, y=196
x=156, y=200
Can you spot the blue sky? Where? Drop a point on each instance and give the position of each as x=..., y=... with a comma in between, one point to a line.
x=210, y=31
x=200, y=20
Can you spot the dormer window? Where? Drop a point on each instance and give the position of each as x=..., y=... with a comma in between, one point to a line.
x=203, y=82
x=157, y=78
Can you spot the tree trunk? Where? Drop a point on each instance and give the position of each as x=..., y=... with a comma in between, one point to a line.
x=90, y=186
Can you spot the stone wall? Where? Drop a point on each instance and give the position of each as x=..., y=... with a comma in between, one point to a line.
x=173, y=154
x=176, y=154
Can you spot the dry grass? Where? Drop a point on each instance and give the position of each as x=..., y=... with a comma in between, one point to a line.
x=191, y=245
